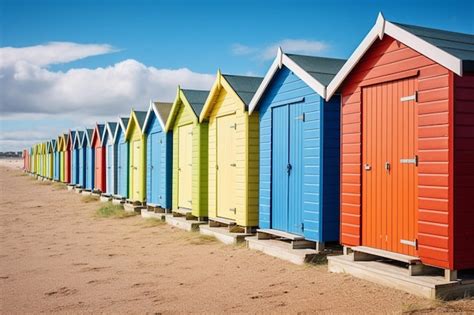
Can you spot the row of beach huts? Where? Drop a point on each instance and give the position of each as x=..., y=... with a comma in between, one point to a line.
x=375, y=153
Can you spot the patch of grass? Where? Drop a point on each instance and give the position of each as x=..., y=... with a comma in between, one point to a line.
x=89, y=199
x=439, y=306
x=59, y=186
x=45, y=182
x=109, y=210
x=152, y=222
x=199, y=239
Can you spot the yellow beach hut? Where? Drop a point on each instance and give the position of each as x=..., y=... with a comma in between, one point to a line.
x=233, y=151
x=49, y=160
x=62, y=139
x=137, y=156
x=189, y=192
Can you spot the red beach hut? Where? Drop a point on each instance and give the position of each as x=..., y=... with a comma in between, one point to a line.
x=99, y=157
x=407, y=145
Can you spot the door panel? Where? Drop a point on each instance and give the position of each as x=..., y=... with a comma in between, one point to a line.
x=389, y=200
x=295, y=179
x=280, y=145
x=122, y=170
x=136, y=170
x=154, y=165
x=226, y=165
x=110, y=170
x=185, y=156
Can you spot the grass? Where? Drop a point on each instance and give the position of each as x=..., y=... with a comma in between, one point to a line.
x=59, y=186
x=89, y=199
x=199, y=239
x=439, y=306
x=109, y=210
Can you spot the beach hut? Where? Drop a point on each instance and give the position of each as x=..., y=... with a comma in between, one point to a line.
x=90, y=159
x=56, y=160
x=99, y=158
x=110, y=158
x=232, y=150
x=73, y=155
x=62, y=150
x=189, y=176
x=41, y=155
x=299, y=148
x=159, y=155
x=49, y=160
x=407, y=153
x=122, y=158
x=31, y=159
x=26, y=160
x=67, y=157
x=137, y=156
x=81, y=158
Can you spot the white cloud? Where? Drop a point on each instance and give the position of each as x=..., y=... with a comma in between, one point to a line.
x=296, y=46
x=31, y=91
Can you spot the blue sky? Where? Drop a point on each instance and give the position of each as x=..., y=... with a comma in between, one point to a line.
x=141, y=38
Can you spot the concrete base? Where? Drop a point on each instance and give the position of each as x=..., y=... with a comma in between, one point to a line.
x=86, y=193
x=117, y=201
x=96, y=194
x=152, y=215
x=284, y=250
x=183, y=223
x=70, y=187
x=430, y=286
x=128, y=207
x=105, y=198
x=223, y=234
x=78, y=190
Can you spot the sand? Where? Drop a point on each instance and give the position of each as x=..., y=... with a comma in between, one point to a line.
x=58, y=257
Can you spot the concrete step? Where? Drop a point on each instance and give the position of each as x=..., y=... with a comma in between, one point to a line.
x=271, y=233
x=431, y=286
x=223, y=234
x=152, y=215
x=128, y=207
x=222, y=221
x=385, y=254
x=105, y=198
x=183, y=223
x=284, y=250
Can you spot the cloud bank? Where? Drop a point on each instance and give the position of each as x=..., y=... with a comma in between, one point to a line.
x=82, y=96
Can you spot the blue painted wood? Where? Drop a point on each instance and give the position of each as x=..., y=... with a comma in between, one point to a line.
x=90, y=167
x=110, y=169
x=75, y=166
x=56, y=166
x=311, y=150
x=122, y=164
x=82, y=168
x=159, y=164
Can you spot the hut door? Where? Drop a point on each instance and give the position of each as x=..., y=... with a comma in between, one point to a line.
x=226, y=164
x=287, y=180
x=110, y=169
x=389, y=166
x=154, y=166
x=123, y=170
x=136, y=170
x=185, y=166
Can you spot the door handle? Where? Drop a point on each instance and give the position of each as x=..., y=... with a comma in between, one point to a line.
x=234, y=210
x=367, y=167
x=387, y=167
x=233, y=164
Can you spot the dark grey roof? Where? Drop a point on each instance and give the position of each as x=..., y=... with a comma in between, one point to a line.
x=244, y=86
x=141, y=115
x=459, y=45
x=321, y=68
x=113, y=127
x=124, y=121
x=196, y=98
x=100, y=128
x=80, y=134
x=164, y=110
x=89, y=133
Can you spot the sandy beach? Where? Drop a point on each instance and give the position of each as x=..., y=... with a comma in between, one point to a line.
x=57, y=256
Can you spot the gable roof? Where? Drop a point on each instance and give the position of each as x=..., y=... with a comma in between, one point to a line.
x=109, y=131
x=98, y=132
x=88, y=136
x=138, y=117
x=161, y=111
x=316, y=72
x=71, y=137
x=54, y=146
x=122, y=124
x=194, y=99
x=243, y=87
x=78, y=138
x=454, y=51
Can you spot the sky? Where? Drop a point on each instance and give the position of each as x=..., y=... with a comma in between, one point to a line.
x=68, y=64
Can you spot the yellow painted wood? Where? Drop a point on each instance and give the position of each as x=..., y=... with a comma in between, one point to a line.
x=137, y=159
x=243, y=194
x=185, y=166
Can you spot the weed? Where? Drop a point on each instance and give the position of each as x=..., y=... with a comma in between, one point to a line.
x=89, y=198
x=59, y=186
x=200, y=239
x=109, y=210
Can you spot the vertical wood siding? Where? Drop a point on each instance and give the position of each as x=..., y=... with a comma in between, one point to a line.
x=122, y=163
x=463, y=171
x=287, y=88
x=137, y=191
x=384, y=58
x=246, y=159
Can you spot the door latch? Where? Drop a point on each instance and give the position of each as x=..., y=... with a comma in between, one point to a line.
x=233, y=164
x=288, y=168
x=387, y=167
x=410, y=161
x=367, y=167
x=234, y=210
x=300, y=117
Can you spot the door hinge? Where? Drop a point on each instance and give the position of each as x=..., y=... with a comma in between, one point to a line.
x=413, y=97
x=288, y=168
x=300, y=117
x=302, y=226
x=234, y=126
x=410, y=161
x=410, y=243
x=234, y=210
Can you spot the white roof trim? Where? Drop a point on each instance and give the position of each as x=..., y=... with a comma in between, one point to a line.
x=382, y=27
x=153, y=108
x=280, y=60
x=120, y=126
x=108, y=130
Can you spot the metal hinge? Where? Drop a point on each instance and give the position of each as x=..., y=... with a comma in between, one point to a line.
x=413, y=97
x=410, y=243
x=302, y=226
x=234, y=126
x=410, y=161
x=288, y=168
x=234, y=210
x=300, y=117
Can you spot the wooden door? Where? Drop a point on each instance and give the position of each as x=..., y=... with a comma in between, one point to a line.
x=185, y=166
x=389, y=166
x=154, y=167
x=135, y=176
x=226, y=165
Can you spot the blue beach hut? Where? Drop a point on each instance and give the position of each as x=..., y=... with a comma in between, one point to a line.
x=81, y=158
x=108, y=141
x=90, y=165
x=56, y=162
x=122, y=157
x=74, y=152
x=159, y=155
x=299, y=148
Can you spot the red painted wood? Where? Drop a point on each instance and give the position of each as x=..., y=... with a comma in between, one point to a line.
x=388, y=58
x=99, y=155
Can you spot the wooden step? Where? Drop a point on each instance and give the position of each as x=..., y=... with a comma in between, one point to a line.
x=277, y=233
x=386, y=254
x=223, y=221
